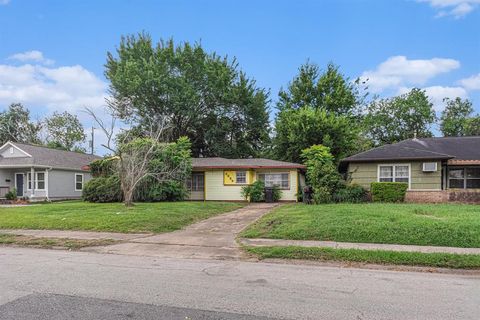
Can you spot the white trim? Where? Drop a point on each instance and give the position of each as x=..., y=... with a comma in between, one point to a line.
x=8, y=143
x=75, y=181
x=44, y=180
x=393, y=171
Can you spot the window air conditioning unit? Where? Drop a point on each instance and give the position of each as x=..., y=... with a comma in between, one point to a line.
x=429, y=166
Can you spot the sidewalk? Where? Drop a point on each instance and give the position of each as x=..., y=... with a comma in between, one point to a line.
x=360, y=246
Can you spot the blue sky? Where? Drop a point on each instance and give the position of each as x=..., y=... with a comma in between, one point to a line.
x=52, y=52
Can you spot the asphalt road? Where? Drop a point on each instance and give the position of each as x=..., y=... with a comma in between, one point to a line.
x=48, y=284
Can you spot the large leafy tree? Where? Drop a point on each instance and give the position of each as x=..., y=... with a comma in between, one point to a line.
x=204, y=96
x=473, y=126
x=394, y=119
x=456, y=118
x=317, y=108
x=16, y=125
x=328, y=90
x=64, y=131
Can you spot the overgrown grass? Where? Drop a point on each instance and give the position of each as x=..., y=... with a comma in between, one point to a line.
x=444, y=260
x=113, y=217
x=452, y=225
x=52, y=243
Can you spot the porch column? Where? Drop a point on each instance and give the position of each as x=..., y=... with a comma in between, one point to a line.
x=32, y=181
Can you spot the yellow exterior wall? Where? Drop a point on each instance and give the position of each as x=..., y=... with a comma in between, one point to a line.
x=216, y=189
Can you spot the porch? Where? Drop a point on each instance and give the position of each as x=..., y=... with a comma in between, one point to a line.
x=29, y=182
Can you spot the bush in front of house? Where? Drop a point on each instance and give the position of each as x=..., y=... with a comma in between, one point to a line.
x=277, y=193
x=103, y=189
x=11, y=195
x=150, y=190
x=352, y=193
x=254, y=192
x=322, y=174
x=388, y=191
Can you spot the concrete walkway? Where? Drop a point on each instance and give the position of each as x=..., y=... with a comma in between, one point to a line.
x=362, y=246
x=213, y=238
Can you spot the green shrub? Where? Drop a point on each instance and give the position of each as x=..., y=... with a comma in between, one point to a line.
x=103, y=189
x=388, y=191
x=352, y=193
x=11, y=195
x=322, y=174
x=104, y=167
x=321, y=195
x=254, y=192
x=150, y=190
x=277, y=193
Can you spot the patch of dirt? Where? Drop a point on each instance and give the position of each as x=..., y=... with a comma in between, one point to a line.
x=51, y=243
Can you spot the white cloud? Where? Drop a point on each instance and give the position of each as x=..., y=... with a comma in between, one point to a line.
x=471, y=83
x=436, y=94
x=4, y=2
x=455, y=8
x=398, y=71
x=31, y=56
x=57, y=88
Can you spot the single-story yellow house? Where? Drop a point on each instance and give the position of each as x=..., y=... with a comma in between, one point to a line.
x=222, y=179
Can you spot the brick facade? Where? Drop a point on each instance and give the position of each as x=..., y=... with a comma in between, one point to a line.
x=443, y=196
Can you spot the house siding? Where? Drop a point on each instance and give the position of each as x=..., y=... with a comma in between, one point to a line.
x=61, y=184
x=365, y=173
x=217, y=190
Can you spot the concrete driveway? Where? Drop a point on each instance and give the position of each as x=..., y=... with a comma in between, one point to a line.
x=213, y=238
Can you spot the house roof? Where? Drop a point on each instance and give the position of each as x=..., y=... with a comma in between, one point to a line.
x=444, y=148
x=250, y=163
x=47, y=157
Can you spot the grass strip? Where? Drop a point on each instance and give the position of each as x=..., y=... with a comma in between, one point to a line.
x=443, y=260
x=51, y=243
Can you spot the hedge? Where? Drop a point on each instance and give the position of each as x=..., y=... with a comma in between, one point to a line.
x=388, y=191
x=103, y=189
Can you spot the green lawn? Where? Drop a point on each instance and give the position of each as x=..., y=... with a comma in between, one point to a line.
x=421, y=224
x=444, y=260
x=114, y=217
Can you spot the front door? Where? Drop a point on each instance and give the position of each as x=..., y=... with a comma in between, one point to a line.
x=19, y=184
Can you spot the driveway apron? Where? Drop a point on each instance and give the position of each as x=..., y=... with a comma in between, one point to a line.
x=213, y=238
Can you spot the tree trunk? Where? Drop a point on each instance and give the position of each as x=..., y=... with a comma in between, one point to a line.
x=128, y=198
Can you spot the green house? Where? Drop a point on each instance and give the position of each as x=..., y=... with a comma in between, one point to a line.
x=436, y=169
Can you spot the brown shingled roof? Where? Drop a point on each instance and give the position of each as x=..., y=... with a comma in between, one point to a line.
x=440, y=148
x=48, y=157
x=251, y=163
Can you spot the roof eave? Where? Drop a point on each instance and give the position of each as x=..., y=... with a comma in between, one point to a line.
x=250, y=167
x=393, y=159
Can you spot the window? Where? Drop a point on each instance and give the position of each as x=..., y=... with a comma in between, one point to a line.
x=196, y=182
x=464, y=178
x=40, y=180
x=78, y=182
x=280, y=180
x=241, y=177
x=394, y=173
x=29, y=181
x=11, y=150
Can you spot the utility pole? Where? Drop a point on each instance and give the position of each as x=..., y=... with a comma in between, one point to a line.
x=92, y=142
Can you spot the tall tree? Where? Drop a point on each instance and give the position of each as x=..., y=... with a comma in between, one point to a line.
x=454, y=118
x=473, y=126
x=204, y=96
x=317, y=108
x=399, y=118
x=328, y=90
x=16, y=125
x=64, y=131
